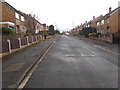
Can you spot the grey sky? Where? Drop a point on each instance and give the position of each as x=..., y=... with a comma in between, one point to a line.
x=62, y=13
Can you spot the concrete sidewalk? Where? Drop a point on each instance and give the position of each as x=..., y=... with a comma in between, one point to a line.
x=13, y=66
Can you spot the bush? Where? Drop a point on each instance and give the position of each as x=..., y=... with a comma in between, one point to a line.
x=86, y=30
x=7, y=31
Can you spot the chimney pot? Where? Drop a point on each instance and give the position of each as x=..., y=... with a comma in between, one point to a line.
x=110, y=9
x=93, y=17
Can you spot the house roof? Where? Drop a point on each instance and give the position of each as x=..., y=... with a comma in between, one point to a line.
x=108, y=14
x=10, y=6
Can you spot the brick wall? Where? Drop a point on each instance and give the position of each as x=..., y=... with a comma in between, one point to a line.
x=119, y=19
x=16, y=43
x=95, y=20
x=8, y=13
x=113, y=23
x=0, y=11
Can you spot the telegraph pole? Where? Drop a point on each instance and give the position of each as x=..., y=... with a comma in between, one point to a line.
x=73, y=23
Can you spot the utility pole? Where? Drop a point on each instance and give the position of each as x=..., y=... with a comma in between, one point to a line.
x=73, y=23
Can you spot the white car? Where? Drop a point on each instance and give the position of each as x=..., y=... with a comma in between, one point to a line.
x=67, y=34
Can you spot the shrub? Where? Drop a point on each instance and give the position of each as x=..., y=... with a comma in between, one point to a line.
x=86, y=30
x=7, y=31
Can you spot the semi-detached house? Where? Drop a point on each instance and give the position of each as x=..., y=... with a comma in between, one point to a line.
x=11, y=18
x=110, y=23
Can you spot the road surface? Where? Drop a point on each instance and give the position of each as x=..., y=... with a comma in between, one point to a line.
x=73, y=63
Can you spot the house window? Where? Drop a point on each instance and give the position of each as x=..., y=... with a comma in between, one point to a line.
x=11, y=27
x=97, y=23
x=108, y=20
x=102, y=22
x=23, y=29
x=22, y=18
x=108, y=29
x=17, y=15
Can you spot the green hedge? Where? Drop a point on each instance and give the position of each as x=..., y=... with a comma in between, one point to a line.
x=7, y=31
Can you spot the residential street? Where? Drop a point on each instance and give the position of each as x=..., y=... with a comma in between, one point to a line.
x=73, y=63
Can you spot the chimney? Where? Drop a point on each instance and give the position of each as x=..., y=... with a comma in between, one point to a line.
x=110, y=9
x=93, y=17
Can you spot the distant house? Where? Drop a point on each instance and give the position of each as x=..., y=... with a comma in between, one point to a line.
x=44, y=28
x=37, y=27
x=94, y=21
x=100, y=26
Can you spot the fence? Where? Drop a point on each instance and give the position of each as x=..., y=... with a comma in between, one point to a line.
x=17, y=43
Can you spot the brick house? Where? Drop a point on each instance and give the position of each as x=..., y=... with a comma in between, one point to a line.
x=100, y=26
x=44, y=28
x=12, y=18
x=20, y=22
x=94, y=21
x=8, y=15
x=37, y=27
x=110, y=23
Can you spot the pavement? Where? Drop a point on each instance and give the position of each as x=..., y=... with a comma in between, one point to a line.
x=75, y=63
x=14, y=66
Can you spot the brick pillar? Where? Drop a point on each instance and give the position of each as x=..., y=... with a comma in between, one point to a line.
x=19, y=42
x=32, y=39
x=9, y=43
x=27, y=40
x=111, y=38
x=36, y=38
x=41, y=38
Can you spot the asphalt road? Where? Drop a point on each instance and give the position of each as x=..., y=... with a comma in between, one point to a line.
x=72, y=63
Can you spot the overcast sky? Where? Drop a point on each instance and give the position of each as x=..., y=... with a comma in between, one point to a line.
x=62, y=13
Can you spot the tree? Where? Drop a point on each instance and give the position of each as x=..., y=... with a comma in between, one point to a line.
x=31, y=23
x=57, y=32
x=51, y=29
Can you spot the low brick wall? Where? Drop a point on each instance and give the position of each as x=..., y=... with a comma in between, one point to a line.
x=104, y=38
x=5, y=46
x=34, y=38
x=23, y=41
x=30, y=39
x=15, y=43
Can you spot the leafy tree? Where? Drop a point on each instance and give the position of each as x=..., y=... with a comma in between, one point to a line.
x=57, y=32
x=51, y=29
